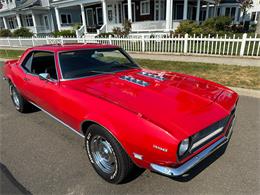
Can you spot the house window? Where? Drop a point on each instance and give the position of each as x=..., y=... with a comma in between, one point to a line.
x=233, y=12
x=28, y=20
x=99, y=15
x=65, y=18
x=253, y=16
x=12, y=22
x=145, y=7
x=227, y=12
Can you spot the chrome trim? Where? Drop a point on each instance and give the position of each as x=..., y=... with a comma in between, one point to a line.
x=134, y=81
x=152, y=75
x=201, y=141
x=36, y=75
x=81, y=49
x=193, y=161
x=75, y=131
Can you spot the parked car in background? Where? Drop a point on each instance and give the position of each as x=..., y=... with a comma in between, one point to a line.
x=130, y=117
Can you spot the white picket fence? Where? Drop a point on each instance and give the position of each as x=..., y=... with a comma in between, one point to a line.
x=230, y=46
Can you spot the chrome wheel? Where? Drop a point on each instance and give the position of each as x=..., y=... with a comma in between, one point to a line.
x=103, y=154
x=15, y=97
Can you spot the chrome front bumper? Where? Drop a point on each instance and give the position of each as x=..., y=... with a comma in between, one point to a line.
x=174, y=172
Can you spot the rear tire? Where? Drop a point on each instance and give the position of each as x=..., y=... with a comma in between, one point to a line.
x=19, y=102
x=107, y=156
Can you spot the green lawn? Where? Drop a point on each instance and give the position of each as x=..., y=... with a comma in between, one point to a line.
x=229, y=75
x=10, y=54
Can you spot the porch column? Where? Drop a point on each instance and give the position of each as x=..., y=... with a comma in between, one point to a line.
x=198, y=11
x=207, y=11
x=34, y=23
x=5, y=23
x=83, y=15
x=236, y=14
x=58, y=18
x=18, y=20
x=169, y=7
x=117, y=13
x=104, y=9
x=185, y=10
x=129, y=5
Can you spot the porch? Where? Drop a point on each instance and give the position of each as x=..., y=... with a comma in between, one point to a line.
x=146, y=15
x=37, y=21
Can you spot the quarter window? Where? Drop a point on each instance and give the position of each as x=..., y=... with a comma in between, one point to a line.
x=145, y=7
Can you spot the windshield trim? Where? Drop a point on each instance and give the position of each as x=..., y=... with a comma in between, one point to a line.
x=82, y=49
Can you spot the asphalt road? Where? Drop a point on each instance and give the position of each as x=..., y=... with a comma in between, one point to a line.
x=47, y=158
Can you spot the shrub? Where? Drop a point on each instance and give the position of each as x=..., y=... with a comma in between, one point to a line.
x=104, y=35
x=220, y=25
x=127, y=27
x=5, y=33
x=65, y=33
x=186, y=26
x=222, y=22
x=22, y=32
x=118, y=32
x=124, y=31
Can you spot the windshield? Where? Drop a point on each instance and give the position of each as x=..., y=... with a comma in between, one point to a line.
x=83, y=63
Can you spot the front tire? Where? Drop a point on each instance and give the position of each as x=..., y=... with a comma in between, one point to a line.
x=19, y=102
x=107, y=156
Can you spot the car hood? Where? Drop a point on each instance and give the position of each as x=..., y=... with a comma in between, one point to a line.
x=179, y=101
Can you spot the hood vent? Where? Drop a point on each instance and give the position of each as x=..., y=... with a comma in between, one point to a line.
x=153, y=75
x=134, y=80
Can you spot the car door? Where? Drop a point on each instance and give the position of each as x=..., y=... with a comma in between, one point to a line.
x=43, y=92
x=32, y=83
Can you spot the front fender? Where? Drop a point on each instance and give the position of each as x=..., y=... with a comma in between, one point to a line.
x=139, y=136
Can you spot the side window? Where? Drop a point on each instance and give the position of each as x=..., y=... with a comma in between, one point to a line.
x=26, y=64
x=43, y=62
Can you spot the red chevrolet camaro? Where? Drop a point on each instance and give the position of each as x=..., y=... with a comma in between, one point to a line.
x=130, y=117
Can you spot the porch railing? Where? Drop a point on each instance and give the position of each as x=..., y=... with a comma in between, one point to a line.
x=81, y=31
x=228, y=46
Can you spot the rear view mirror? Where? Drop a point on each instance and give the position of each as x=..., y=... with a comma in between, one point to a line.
x=44, y=76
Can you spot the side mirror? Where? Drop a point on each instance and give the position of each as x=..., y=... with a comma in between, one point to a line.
x=44, y=76
x=97, y=55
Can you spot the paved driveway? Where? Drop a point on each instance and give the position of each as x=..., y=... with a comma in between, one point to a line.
x=45, y=157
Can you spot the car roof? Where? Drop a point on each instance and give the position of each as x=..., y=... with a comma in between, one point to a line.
x=72, y=46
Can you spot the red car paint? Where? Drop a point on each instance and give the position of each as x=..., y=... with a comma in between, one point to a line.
x=140, y=118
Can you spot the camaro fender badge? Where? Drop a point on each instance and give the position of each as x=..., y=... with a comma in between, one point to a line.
x=160, y=148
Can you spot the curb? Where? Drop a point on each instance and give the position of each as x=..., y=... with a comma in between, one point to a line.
x=246, y=92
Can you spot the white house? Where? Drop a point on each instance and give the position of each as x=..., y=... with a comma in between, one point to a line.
x=32, y=14
x=45, y=16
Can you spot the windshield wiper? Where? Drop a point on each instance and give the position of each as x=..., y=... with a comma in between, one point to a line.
x=99, y=72
x=125, y=65
x=92, y=71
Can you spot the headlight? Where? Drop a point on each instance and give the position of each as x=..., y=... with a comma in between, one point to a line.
x=184, y=146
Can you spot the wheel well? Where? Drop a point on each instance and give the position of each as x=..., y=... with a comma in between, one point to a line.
x=85, y=125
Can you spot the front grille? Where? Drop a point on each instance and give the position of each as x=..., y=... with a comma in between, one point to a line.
x=208, y=134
